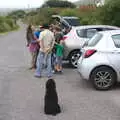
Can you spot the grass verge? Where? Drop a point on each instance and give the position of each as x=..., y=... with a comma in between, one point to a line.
x=15, y=29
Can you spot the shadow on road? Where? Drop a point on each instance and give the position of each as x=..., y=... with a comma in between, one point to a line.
x=67, y=65
x=117, y=86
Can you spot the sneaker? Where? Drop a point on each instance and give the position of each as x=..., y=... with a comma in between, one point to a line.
x=37, y=76
x=53, y=71
x=60, y=72
x=50, y=76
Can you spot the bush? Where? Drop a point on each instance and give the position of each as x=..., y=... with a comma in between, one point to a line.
x=42, y=16
x=4, y=27
x=109, y=14
x=7, y=24
x=69, y=12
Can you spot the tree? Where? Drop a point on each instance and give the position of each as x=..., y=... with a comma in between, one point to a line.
x=17, y=14
x=110, y=13
x=58, y=3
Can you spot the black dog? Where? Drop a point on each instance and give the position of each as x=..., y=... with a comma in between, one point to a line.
x=51, y=106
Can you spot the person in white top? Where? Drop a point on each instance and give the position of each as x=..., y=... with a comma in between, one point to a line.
x=46, y=41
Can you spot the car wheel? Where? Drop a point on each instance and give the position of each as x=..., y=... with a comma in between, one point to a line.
x=74, y=56
x=103, y=78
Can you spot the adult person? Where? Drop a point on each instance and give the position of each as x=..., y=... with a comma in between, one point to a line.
x=38, y=31
x=46, y=41
x=33, y=45
x=29, y=34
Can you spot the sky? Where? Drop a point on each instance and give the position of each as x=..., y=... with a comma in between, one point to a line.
x=23, y=3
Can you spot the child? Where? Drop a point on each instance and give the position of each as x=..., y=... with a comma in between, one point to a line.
x=59, y=55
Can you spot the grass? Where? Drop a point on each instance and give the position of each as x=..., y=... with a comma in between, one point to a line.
x=15, y=29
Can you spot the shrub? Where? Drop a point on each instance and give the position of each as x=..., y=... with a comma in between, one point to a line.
x=7, y=24
x=109, y=14
x=69, y=12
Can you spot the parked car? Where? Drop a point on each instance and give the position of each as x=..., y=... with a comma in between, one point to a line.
x=100, y=60
x=77, y=38
x=67, y=21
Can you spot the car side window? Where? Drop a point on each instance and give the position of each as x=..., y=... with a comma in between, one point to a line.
x=116, y=39
x=95, y=39
x=90, y=33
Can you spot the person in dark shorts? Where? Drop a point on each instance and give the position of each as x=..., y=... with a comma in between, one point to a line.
x=58, y=36
x=59, y=55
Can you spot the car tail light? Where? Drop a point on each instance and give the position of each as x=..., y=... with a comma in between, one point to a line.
x=88, y=53
x=64, y=38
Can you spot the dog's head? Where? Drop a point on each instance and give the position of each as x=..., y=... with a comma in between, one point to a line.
x=50, y=84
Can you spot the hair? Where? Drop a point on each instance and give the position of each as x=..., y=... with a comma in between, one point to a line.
x=57, y=28
x=45, y=26
x=50, y=84
x=29, y=29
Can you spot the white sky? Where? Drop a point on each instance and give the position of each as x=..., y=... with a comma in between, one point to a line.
x=22, y=3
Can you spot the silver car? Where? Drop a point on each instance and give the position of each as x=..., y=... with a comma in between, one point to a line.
x=76, y=38
x=100, y=60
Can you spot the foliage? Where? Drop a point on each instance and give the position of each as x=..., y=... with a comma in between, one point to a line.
x=69, y=12
x=43, y=15
x=109, y=13
x=17, y=14
x=7, y=24
x=58, y=3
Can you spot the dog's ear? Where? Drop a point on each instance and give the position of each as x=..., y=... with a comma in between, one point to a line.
x=50, y=84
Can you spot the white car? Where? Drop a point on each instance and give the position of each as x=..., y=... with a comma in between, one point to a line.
x=100, y=60
x=76, y=38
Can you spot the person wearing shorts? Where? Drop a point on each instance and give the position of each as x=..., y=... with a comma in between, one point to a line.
x=59, y=56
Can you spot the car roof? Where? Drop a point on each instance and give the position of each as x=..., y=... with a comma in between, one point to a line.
x=94, y=26
x=112, y=32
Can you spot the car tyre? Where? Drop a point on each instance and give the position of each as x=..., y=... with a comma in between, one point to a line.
x=73, y=59
x=103, y=78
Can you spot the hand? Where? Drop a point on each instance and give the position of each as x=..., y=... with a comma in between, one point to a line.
x=38, y=40
x=47, y=50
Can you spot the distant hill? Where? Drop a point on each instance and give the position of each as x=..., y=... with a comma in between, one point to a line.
x=5, y=11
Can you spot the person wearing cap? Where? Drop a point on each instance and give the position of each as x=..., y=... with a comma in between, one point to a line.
x=46, y=42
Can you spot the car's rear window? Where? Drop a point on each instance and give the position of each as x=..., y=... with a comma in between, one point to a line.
x=73, y=22
x=95, y=39
x=81, y=33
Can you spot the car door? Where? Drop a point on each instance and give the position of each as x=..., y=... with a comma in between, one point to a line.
x=114, y=56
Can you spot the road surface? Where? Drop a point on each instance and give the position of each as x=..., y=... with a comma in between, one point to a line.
x=22, y=95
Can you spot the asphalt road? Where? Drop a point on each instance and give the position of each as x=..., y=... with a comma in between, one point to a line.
x=22, y=95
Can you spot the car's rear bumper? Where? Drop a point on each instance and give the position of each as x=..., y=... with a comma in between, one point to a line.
x=83, y=72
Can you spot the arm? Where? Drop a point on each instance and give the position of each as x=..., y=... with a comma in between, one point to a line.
x=53, y=42
x=59, y=45
x=34, y=41
x=40, y=41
